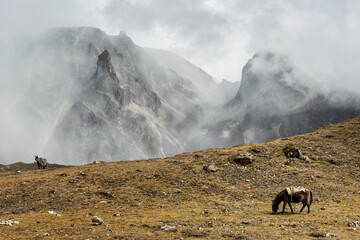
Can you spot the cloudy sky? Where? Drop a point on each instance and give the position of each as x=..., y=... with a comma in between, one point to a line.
x=322, y=37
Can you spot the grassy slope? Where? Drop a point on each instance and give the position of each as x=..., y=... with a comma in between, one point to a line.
x=234, y=201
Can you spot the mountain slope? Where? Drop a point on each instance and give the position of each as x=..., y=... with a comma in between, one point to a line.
x=176, y=197
x=123, y=105
x=92, y=96
x=272, y=102
x=214, y=93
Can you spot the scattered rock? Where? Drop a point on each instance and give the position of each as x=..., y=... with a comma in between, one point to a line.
x=103, y=202
x=205, y=212
x=305, y=158
x=335, y=162
x=330, y=235
x=106, y=193
x=176, y=191
x=6, y=222
x=210, y=168
x=289, y=161
x=243, y=159
x=256, y=150
x=82, y=173
x=52, y=212
x=168, y=228
x=321, y=234
x=194, y=233
x=241, y=237
x=46, y=234
x=291, y=151
x=97, y=162
x=97, y=221
x=354, y=224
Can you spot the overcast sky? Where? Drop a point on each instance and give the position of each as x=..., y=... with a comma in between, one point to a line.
x=322, y=37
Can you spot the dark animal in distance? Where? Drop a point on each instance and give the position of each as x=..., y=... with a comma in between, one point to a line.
x=41, y=164
x=287, y=196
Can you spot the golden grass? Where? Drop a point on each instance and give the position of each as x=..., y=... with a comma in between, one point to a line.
x=233, y=202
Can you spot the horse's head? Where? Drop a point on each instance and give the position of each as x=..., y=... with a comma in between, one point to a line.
x=36, y=157
x=275, y=207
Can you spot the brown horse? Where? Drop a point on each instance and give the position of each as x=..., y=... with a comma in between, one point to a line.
x=41, y=164
x=289, y=196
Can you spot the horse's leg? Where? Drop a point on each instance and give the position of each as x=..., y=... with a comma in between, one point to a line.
x=304, y=204
x=284, y=206
x=308, y=208
x=290, y=207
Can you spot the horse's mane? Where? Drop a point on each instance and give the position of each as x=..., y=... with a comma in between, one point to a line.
x=279, y=194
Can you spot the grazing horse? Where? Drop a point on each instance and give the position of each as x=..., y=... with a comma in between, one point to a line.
x=293, y=195
x=41, y=164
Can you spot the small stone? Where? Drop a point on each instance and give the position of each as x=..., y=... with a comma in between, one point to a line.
x=243, y=159
x=97, y=221
x=330, y=235
x=210, y=168
x=177, y=191
x=335, y=162
x=106, y=193
x=305, y=159
x=323, y=208
x=52, y=212
x=168, y=228
x=46, y=234
x=103, y=202
x=205, y=212
x=353, y=224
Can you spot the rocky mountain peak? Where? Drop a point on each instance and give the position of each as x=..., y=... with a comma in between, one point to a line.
x=268, y=77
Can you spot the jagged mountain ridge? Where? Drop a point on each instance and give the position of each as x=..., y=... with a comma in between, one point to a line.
x=213, y=92
x=94, y=96
x=272, y=102
x=149, y=102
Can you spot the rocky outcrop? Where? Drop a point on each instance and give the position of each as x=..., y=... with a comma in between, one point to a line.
x=274, y=102
x=98, y=97
x=126, y=110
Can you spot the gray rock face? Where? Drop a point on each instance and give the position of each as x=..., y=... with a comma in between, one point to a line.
x=117, y=103
x=213, y=92
x=96, y=97
x=274, y=102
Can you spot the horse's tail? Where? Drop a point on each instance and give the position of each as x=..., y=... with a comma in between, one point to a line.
x=311, y=197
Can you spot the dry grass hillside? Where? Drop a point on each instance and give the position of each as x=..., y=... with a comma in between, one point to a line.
x=176, y=198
